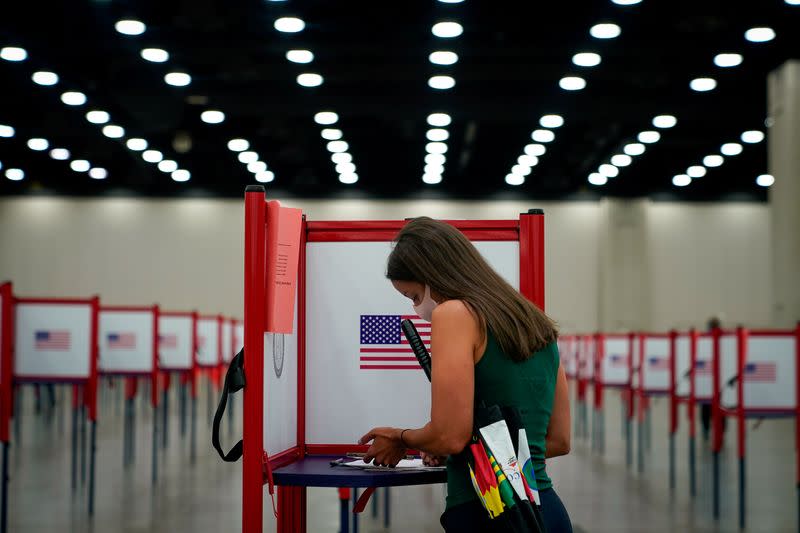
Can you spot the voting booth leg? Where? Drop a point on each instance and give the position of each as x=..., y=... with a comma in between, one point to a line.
x=344, y=510
x=182, y=408
x=193, y=435
x=210, y=401
x=640, y=446
x=74, y=446
x=292, y=509
x=672, y=462
x=4, y=488
x=692, y=468
x=83, y=444
x=375, y=506
x=628, y=444
x=387, y=515
x=165, y=418
x=742, y=502
x=92, y=458
x=126, y=430
x=154, y=473
x=355, y=515
x=132, y=447
x=715, y=495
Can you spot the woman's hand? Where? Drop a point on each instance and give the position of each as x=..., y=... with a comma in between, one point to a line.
x=432, y=460
x=387, y=449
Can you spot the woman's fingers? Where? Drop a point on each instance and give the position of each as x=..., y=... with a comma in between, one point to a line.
x=368, y=437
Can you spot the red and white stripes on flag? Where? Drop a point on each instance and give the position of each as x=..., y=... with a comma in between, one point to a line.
x=168, y=340
x=121, y=341
x=760, y=373
x=384, y=347
x=52, y=340
x=658, y=363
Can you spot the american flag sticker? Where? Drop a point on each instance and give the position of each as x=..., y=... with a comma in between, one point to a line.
x=48, y=340
x=657, y=363
x=168, y=340
x=702, y=368
x=619, y=360
x=121, y=341
x=760, y=373
x=384, y=347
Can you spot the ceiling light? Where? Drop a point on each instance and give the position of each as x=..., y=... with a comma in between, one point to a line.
x=80, y=165
x=681, y=180
x=451, y=1
x=713, y=161
x=38, y=144
x=543, y=136
x=15, y=174
x=98, y=173
x=341, y=157
x=348, y=179
x=702, y=85
x=436, y=148
x=528, y=160
x=586, y=59
x=345, y=168
x=113, y=131
x=136, y=144
x=626, y=2
x=13, y=53
x=728, y=60
x=435, y=159
x=6, y=131
x=98, y=117
x=765, y=180
x=447, y=30
x=331, y=134
x=664, y=121
x=753, y=136
x=609, y=171
x=337, y=146
x=289, y=24
x=621, y=160
x=59, y=154
x=326, y=118
x=437, y=134
x=181, y=175
x=248, y=157
x=696, y=171
x=551, y=121
x=73, y=98
x=572, y=83
x=265, y=177
x=731, y=149
x=155, y=55
x=605, y=31
x=309, y=79
x=595, y=178
x=300, y=56
x=649, y=137
x=515, y=179
x=432, y=179
x=790, y=2
x=634, y=149
x=443, y=57
x=130, y=27
x=152, y=156
x=537, y=150
x=178, y=79
x=256, y=166
x=44, y=77
x=520, y=170
x=759, y=34
x=238, y=145
x=433, y=168
x=441, y=82
x=212, y=116
x=439, y=120
x=167, y=165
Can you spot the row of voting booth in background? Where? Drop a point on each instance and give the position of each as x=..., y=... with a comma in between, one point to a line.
x=345, y=366
x=77, y=342
x=740, y=373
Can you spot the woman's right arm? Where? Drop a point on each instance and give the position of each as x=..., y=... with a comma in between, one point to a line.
x=558, y=438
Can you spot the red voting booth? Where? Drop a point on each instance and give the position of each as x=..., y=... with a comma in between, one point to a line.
x=287, y=412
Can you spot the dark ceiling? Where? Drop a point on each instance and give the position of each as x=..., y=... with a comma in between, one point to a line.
x=374, y=60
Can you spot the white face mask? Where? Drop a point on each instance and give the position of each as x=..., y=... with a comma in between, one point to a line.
x=425, y=309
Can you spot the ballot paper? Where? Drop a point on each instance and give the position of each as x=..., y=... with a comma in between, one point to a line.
x=404, y=464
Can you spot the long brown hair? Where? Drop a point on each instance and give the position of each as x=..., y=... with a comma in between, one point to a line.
x=436, y=254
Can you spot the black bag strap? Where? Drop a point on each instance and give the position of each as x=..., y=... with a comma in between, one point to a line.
x=234, y=381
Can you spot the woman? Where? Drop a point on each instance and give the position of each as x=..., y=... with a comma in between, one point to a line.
x=489, y=344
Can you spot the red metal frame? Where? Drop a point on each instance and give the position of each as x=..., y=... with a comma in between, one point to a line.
x=6, y=361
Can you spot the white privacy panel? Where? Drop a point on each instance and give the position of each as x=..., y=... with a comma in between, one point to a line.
x=769, y=374
x=208, y=341
x=585, y=357
x=566, y=353
x=175, y=342
x=52, y=341
x=227, y=340
x=351, y=307
x=125, y=341
x=702, y=368
x=728, y=367
x=637, y=363
x=238, y=337
x=615, y=360
x=656, y=364
x=683, y=363
x=280, y=389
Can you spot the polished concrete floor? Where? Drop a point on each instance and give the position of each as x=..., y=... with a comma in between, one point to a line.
x=600, y=492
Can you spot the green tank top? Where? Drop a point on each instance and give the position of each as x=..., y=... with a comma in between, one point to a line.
x=528, y=385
